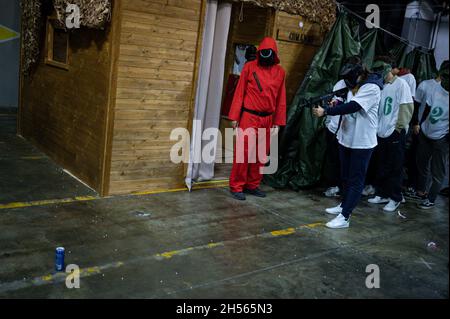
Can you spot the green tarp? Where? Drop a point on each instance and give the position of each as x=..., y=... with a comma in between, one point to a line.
x=302, y=144
x=302, y=141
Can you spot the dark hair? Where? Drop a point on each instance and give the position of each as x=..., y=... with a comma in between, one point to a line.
x=384, y=58
x=355, y=59
x=444, y=65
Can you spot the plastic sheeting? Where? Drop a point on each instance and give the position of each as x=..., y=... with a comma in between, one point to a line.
x=302, y=145
x=302, y=141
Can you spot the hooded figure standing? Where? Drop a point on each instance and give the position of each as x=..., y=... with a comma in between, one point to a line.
x=259, y=105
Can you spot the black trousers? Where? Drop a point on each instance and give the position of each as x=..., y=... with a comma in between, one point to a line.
x=411, y=160
x=333, y=165
x=389, y=178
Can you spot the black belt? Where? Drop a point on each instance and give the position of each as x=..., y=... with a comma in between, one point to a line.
x=261, y=114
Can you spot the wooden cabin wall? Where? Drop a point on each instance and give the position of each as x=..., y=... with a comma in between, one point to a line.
x=295, y=57
x=63, y=112
x=156, y=65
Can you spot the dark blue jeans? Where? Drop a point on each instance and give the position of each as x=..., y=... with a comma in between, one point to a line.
x=354, y=164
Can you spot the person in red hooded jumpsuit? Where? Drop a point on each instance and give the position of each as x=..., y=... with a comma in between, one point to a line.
x=259, y=102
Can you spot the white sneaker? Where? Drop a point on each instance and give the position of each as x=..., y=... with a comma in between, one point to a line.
x=332, y=192
x=368, y=190
x=391, y=206
x=378, y=200
x=334, y=210
x=338, y=222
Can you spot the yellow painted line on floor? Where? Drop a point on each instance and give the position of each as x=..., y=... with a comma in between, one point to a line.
x=32, y=157
x=90, y=198
x=96, y=270
x=283, y=232
x=47, y=202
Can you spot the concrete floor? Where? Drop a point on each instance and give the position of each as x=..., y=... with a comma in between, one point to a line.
x=204, y=244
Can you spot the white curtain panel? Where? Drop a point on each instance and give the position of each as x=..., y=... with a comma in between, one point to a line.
x=208, y=97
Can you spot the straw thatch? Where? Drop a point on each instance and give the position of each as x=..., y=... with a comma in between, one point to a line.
x=321, y=11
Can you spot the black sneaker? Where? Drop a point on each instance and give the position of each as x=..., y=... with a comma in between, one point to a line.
x=238, y=195
x=255, y=192
x=426, y=204
x=415, y=196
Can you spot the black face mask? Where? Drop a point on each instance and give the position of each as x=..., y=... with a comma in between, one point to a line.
x=350, y=73
x=266, y=57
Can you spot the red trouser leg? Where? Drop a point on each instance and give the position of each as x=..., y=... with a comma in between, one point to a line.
x=245, y=171
x=238, y=177
x=254, y=170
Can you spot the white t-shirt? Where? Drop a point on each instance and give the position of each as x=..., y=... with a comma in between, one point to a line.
x=411, y=80
x=435, y=126
x=422, y=89
x=332, y=122
x=393, y=94
x=359, y=130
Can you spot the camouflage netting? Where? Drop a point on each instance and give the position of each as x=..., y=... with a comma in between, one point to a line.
x=94, y=14
x=31, y=26
x=322, y=12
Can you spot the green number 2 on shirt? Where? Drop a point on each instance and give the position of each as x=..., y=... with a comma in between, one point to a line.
x=388, y=105
x=436, y=114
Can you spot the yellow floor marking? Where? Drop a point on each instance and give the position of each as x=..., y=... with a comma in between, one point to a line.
x=47, y=202
x=88, y=198
x=90, y=271
x=283, y=232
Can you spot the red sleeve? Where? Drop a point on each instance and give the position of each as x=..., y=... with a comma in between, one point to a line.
x=239, y=94
x=280, y=112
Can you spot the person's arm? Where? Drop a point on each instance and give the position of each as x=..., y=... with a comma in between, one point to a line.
x=279, y=118
x=425, y=114
x=239, y=94
x=405, y=114
x=406, y=107
x=344, y=108
x=415, y=116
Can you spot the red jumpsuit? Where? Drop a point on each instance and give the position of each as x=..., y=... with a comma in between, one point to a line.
x=269, y=97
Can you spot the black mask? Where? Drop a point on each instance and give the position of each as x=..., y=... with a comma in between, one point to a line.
x=350, y=73
x=266, y=57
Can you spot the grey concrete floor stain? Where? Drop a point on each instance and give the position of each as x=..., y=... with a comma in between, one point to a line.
x=221, y=248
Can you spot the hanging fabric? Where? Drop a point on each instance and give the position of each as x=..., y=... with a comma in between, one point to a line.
x=209, y=88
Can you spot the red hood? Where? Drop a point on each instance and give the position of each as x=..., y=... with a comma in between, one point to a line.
x=269, y=43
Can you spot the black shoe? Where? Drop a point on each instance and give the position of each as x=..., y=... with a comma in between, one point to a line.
x=426, y=204
x=415, y=196
x=255, y=192
x=238, y=195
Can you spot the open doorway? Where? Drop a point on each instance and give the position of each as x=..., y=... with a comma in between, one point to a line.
x=249, y=24
x=229, y=29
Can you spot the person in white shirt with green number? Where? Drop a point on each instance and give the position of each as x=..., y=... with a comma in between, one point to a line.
x=434, y=139
x=394, y=114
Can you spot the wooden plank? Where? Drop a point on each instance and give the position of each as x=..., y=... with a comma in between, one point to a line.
x=154, y=62
x=171, y=33
x=162, y=42
x=133, y=72
x=163, y=9
x=164, y=21
x=149, y=51
x=131, y=83
x=137, y=104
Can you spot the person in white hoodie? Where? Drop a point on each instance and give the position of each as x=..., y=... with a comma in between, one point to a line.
x=394, y=114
